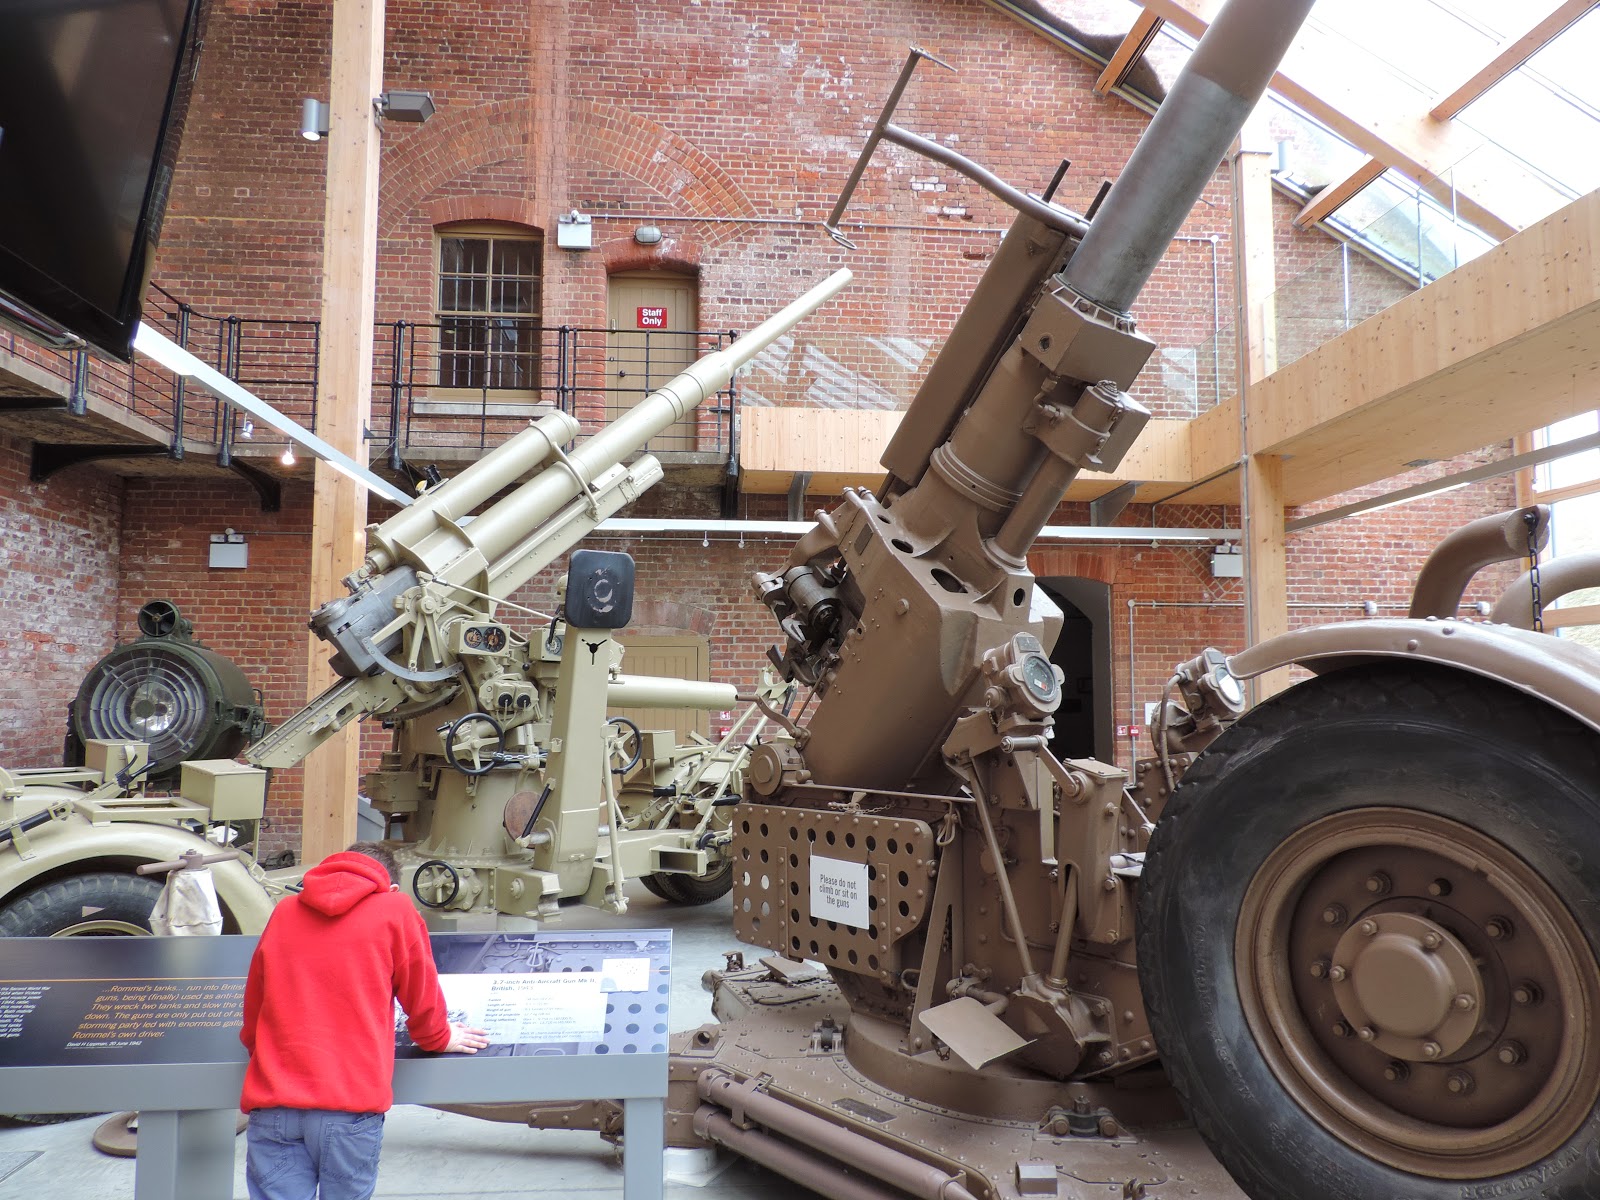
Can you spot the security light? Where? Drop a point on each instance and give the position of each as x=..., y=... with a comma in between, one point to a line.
x=313, y=119
x=411, y=107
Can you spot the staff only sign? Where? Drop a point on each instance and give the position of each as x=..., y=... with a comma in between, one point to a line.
x=652, y=316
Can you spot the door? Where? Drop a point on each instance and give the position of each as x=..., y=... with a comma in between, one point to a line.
x=683, y=656
x=1086, y=720
x=653, y=316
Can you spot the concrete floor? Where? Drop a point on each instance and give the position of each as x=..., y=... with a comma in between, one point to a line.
x=434, y=1154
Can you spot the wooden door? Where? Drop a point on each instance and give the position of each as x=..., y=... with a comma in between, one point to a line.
x=683, y=656
x=653, y=316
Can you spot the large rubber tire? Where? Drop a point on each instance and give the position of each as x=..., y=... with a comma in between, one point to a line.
x=1434, y=746
x=101, y=904
x=104, y=903
x=692, y=889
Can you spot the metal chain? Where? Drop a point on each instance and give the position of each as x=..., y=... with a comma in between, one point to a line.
x=1532, y=520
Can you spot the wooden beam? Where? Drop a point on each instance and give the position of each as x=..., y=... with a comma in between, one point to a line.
x=1362, y=99
x=1323, y=205
x=1266, y=563
x=1145, y=28
x=344, y=392
x=1510, y=55
x=1506, y=343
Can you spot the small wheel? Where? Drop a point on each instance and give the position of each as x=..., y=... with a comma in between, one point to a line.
x=627, y=736
x=465, y=740
x=652, y=884
x=435, y=884
x=1365, y=942
x=694, y=889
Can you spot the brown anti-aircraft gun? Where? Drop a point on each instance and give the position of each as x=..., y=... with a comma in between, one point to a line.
x=1352, y=952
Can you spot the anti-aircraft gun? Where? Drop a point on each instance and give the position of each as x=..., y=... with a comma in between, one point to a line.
x=1365, y=923
x=503, y=763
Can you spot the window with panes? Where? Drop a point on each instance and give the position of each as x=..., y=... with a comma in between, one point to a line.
x=489, y=304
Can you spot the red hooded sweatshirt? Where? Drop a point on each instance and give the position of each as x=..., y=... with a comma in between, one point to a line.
x=319, y=1000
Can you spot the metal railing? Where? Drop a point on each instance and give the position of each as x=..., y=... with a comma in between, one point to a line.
x=464, y=383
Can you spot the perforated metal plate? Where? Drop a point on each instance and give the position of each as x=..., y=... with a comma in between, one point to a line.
x=773, y=900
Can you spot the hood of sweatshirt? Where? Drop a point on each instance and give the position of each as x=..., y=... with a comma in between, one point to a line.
x=341, y=881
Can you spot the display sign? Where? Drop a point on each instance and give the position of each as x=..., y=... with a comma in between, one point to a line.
x=115, y=1000
x=652, y=316
x=839, y=891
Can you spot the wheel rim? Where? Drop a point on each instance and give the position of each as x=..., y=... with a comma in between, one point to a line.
x=1421, y=992
x=102, y=927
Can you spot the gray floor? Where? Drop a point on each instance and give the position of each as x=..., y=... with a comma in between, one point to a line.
x=434, y=1154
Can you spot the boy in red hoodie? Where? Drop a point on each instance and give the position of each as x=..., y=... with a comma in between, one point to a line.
x=319, y=1025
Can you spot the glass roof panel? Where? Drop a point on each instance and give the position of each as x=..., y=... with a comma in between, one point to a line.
x=1568, y=63
x=1554, y=136
x=1417, y=38
x=1094, y=20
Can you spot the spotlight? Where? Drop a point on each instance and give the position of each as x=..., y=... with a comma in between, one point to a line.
x=248, y=429
x=287, y=458
x=313, y=119
x=410, y=107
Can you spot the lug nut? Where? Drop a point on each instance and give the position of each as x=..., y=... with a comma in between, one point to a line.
x=1379, y=883
x=1527, y=993
x=1319, y=968
x=1431, y=1049
x=1512, y=1054
x=1431, y=941
x=1334, y=914
x=1367, y=1033
x=1397, y=1072
x=1498, y=928
x=1369, y=928
x=1465, y=1002
x=1338, y=974
x=1459, y=1083
x=1340, y=1029
x=1439, y=887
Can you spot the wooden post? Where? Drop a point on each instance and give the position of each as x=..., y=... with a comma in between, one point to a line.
x=1266, y=571
x=344, y=390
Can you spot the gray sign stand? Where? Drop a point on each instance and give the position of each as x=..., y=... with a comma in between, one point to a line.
x=187, y=1110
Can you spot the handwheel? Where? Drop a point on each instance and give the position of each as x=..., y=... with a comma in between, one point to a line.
x=435, y=883
x=466, y=739
x=1366, y=931
x=627, y=746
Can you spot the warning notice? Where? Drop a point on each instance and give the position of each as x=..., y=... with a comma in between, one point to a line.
x=652, y=317
x=839, y=891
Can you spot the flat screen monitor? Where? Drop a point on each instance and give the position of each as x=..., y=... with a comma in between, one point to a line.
x=92, y=99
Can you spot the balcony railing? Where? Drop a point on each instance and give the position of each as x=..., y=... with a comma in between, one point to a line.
x=464, y=384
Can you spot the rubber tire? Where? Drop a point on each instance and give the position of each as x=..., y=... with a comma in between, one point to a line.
x=692, y=889
x=1427, y=738
x=58, y=905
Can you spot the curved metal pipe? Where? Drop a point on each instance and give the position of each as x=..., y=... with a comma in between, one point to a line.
x=1557, y=578
x=787, y=1160
x=892, y=1166
x=1214, y=94
x=1497, y=538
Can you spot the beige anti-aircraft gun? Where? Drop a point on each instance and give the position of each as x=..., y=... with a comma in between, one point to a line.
x=516, y=791
x=1355, y=952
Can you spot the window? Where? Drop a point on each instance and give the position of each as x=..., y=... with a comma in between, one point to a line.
x=489, y=306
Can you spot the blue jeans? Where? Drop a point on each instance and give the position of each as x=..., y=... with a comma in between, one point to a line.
x=291, y=1152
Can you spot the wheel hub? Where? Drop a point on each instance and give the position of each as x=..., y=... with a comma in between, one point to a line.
x=1407, y=986
x=1420, y=991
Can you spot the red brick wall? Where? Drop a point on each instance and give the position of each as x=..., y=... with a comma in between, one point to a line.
x=59, y=544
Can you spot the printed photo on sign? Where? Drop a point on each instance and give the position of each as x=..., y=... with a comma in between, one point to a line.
x=839, y=891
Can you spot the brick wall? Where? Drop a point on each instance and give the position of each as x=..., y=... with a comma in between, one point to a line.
x=59, y=590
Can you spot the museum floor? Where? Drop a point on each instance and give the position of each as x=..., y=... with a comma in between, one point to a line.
x=439, y=1155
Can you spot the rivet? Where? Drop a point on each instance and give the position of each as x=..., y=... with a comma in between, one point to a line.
x=1465, y=1002
x=1367, y=1033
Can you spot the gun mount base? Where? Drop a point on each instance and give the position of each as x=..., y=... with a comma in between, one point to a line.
x=823, y=1117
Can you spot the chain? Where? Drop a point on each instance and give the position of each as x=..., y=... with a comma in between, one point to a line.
x=1531, y=517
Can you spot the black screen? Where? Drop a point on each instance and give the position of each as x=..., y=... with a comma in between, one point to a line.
x=92, y=94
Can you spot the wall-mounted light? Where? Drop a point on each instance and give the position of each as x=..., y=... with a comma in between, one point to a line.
x=411, y=108
x=647, y=235
x=575, y=231
x=247, y=430
x=313, y=119
x=287, y=457
x=228, y=550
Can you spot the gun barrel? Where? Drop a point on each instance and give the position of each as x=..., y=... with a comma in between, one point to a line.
x=648, y=691
x=470, y=555
x=1192, y=130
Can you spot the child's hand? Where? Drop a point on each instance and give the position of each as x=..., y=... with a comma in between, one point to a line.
x=464, y=1040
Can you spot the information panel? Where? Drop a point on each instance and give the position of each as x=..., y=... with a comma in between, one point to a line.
x=96, y=1001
